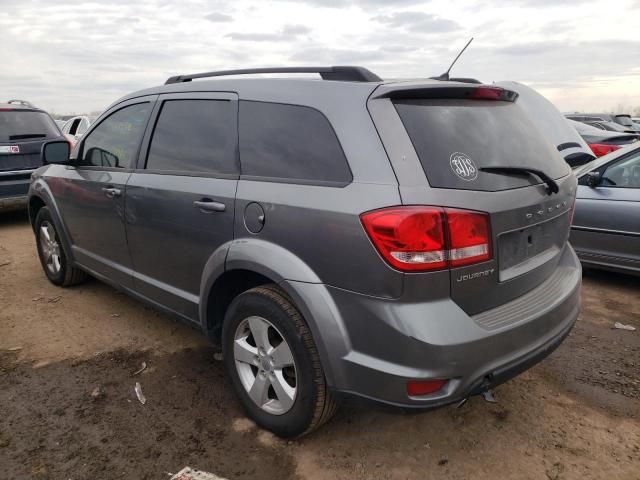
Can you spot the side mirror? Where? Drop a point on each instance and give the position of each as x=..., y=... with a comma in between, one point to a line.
x=55, y=152
x=594, y=179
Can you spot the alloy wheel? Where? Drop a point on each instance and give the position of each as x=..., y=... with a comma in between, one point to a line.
x=50, y=247
x=265, y=365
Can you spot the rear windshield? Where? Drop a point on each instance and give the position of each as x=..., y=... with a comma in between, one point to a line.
x=26, y=126
x=455, y=138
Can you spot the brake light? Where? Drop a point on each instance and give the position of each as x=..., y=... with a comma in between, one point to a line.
x=487, y=93
x=600, y=149
x=418, y=239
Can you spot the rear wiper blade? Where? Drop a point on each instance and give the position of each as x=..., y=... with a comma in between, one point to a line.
x=27, y=135
x=552, y=186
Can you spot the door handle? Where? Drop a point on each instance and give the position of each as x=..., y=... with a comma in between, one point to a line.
x=112, y=192
x=207, y=205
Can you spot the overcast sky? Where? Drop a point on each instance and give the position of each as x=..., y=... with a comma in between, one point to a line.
x=75, y=56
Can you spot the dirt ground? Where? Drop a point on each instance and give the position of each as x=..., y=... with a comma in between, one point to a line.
x=68, y=408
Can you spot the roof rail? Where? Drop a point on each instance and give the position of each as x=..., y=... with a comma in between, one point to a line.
x=24, y=103
x=346, y=73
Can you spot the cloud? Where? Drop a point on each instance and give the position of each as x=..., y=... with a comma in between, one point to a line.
x=419, y=22
x=218, y=17
x=359, y=3
x=295, y=30
x=257, y=37
x=74, y=56
x=527, y=49
x=287, y=33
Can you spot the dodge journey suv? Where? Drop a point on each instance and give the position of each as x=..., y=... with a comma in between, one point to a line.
x=404, y=242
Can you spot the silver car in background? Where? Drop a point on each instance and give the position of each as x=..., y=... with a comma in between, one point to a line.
x=550, y=122
x=606, y=225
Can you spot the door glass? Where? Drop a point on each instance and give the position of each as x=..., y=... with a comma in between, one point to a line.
x=74, y=126
x=114, y=143
x=624, y=173
x=84, y=125
x=195, y=136
x=290, y=142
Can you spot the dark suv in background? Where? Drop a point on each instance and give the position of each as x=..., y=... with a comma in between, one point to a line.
x=404, y=241
x=23, y=130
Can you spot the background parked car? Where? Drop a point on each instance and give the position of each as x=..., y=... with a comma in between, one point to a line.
x=602, y=142
x=606, y=229
x=620, y=118
x=23, y=130
x=75, y=127
x=552, y=124
x=612, y=127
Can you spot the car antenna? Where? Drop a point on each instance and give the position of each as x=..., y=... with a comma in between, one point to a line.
x=445, y=75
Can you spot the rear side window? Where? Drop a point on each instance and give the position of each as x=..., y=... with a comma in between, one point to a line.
x=114, y=142
x=454, y=139
x=23, y=126
x=195, y=136
x=290, y=143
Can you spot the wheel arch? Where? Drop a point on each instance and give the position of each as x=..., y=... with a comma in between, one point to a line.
x=248, y=263
x=41, y=196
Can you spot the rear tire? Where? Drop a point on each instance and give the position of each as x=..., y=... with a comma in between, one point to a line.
x=53, y=258
x=290, y=401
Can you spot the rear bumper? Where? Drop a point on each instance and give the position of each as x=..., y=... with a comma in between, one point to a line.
x=391, y=342
x=14, y=187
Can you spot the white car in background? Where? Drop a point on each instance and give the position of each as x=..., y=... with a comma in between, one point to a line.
x=76, y=127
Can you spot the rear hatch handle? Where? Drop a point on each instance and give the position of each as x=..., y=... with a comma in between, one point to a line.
x=552, y=186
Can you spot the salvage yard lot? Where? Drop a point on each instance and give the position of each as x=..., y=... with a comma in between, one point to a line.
x=68, y=407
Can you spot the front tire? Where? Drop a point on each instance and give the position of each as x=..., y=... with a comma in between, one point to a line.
x=273, y=363
x=52, y=256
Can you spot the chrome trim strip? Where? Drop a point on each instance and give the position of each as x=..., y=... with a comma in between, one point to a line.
x=605, y=230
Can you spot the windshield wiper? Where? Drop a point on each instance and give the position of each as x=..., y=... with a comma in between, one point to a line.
x=27, y=135
x=552, y=186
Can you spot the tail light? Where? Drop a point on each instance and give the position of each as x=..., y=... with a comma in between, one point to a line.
x=418, y=239
x=600, y=149
x=469, y=237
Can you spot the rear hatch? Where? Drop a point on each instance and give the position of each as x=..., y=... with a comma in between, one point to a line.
x=22, y=133
x=481, y=152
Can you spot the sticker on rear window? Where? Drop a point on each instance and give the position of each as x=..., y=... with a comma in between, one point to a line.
x=10, y=149
x=463, y=166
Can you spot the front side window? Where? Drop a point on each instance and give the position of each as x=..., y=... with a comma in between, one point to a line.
x=195, y=136
x=624, y=173
x=114, y=143
x=290, y=142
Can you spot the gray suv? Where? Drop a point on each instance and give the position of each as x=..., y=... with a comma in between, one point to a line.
x=402, y=241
